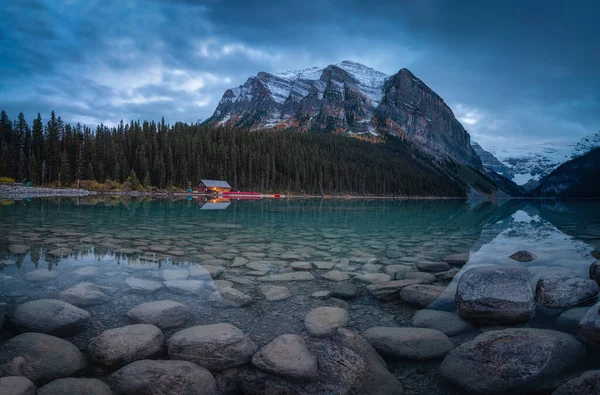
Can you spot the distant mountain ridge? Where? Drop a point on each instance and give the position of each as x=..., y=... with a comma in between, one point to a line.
x=575, y=178
x=351, y=98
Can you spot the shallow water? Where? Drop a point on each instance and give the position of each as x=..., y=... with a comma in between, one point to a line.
x=125, y=238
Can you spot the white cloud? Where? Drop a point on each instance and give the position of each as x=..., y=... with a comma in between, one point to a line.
x=212, y=49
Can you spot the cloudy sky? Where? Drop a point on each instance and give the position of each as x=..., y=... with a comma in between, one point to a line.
x=526, y=70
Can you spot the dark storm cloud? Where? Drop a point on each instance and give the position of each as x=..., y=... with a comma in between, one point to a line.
x=525, y=69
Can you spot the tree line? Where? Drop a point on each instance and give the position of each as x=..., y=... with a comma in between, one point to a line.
x=155, y=154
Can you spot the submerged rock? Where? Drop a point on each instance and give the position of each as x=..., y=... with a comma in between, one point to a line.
x=420, y=295
x=75, y=386
x=596, y=253
x=274, y=292
x=562, y=290
x=390, y=290
x=409, y=343
x=164, y=314
x=18, y=249
x=336, y=275
x=457, y=259
x=50, y=316
x=595, y=271
x=174, y=274
x=587, y=383
x=287, y=356
x=433, y=267
x=185, y=287
x=446, y=322
x=120, y=346
x=40, y=357
x=215, y=347
x=323, y=321
x=589, y=327
x=523, y=256
x=85, y=294
x=568, y=320
x=373, y=278
x=292, y=276
x=87, y=272
x=493, y=295
x=344, y=291
x=16, y=385
x=41, y=275
x=140, y=286
x=229, y=297
x=147, y=377
x=512, y=361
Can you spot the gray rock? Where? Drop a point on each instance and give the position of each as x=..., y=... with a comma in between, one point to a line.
x=301, y=266
x=390, y=290
x=568, y=320
x=40, y=357
x=420, y=295
x=596, y=253
x=164, y=314
x=432, y=267
x=75, y=386
x=446, y=322
x=348, y=364
x=206, y=272
x=457, y=259
x=229, y=297
x=215, y=347
x=373, y=278
x=50, y=316
x=324, y=265
x=185, y=287
x=87, y=272
x=595, y=271
x=336, y=275
x=563, y=290
x=147, y=377
x=321, y=294
x=426, y=278
x=512, y=361
x=120, y=346
x=493, y=295
x=287, y=356
x=18, y=249
x=60, y=252
x=16, y=385
x=292, y=276
x=323, y=321
x=274, y=293
x=587, y=383
x=84, y=294
x=396, y=271
x=344, y=291
x=41, y=275
x=239, y=261
x=448, y=275
x=409, y=343
x=523, y=256
x=174, y=274
x=589, y=327
x=140, y=286
x=2, y=315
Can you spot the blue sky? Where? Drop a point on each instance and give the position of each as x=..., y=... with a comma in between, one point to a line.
x=512, y=71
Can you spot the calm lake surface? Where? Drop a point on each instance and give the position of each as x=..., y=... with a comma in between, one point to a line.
x=245, y=242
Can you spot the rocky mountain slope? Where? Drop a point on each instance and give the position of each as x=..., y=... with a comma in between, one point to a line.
x=349, y=98
x=489, y=161
x=578, y=177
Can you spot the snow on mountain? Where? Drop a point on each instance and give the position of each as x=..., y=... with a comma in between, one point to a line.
x=529, y=163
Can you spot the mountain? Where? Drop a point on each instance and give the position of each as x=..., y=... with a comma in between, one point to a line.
x=349, y=98
x=576, y=178
x=529, y=163
x=489, y=161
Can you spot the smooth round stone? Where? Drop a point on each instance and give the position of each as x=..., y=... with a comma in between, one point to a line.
x=40, y=357
x=50, y=316
x=84, y=294
x=323, y=321
x=446, y=322
x=239, y=261
x=16, y=385
x=425, y=277
x=432, y=267
x=75, y=386
x=409, y=343
x=164, y=314
x=336, y=275
x=41, y=275
x=457, y=259
x=215, y=347
x=344, y=291
x=174, y=274
x=324, y=265
x=301, y=266
x=120, y=346
x=448, y=275
x=18, y=249
x=140, y=286
x=185, y=287
x=396, y=271
x=589, y=327
x=595, y=271
x=587, y=383
x=562, y=290
x=287, y=356
x=274, y=293
x=493, y=295
x=373, y=278
x=568, y=320
x=229, y=297
x=512, y=361
x=148, y=377
x=420, y=295
x=292, y=276
x=87, y=272
x=390, y=290
x=206, y=272
x=523, y=256
x=321, y=294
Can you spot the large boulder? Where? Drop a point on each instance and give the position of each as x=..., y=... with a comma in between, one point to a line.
x=587, y=383
x=215, y=347
x=165, y=314
x=512, y=361
x=40, y=357
x=323, y=321
x=589, y=327
x=564, y=290
x=446, y=322
x=120, y=346
x=50, y=316
x=185, y=287
x=568, y=320
x=147, y=377
x=287, y=356
x=595, y=271
x=420, y=295
x=85, y=294
x=493, y=295
x=16, y=385
x=75, y=386
x=596, y=253
x=347, y=363
x=141, y=286
x=408, y=343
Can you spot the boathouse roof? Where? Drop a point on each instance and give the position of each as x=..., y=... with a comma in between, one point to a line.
x=215, y=184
